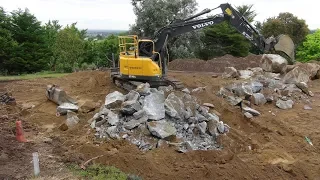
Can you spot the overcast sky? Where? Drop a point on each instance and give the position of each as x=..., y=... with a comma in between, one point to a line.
x=118, y=14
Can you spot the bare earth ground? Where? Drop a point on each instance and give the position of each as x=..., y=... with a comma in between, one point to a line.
x=278, y=148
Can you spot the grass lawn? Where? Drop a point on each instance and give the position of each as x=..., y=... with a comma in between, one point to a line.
x=33, y=76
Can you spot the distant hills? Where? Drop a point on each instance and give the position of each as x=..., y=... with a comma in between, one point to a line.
x=103, y=33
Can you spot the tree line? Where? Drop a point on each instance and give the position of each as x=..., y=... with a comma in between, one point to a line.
x=27, y=46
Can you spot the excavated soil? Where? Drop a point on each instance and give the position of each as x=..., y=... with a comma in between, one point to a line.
x=216, y=65
x=267, y=147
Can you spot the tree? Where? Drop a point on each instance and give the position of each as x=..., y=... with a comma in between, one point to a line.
x=286, y=23
x=310, y=48
x=51, y=32
x=223, y=38
x=151, y=15
x=7, y=44
x=30, y=53
x=99, y=52
x=69, y=48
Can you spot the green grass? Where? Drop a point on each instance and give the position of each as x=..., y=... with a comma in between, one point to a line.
x=45, y=74
x=100, y=172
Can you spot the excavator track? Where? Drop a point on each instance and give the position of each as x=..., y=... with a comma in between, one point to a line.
x=129, y=85
x=176, y=84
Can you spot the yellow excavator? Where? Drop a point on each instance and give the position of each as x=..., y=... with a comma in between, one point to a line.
x=146, y=60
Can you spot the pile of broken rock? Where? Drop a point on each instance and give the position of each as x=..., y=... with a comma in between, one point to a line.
x=6, y=98
x=151, y=118
x=273, y=82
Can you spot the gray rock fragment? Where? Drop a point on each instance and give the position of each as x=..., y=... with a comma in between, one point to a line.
x=213, y=116
x=135, y=123
x=212, y=127
x=202, y=127
x=186, y=90
x=188, y=113
x=72, y=119
x=304, y=87
x=256, y=86
x=174, y=106
x=132, y=96
x=65, y=107
x=251, y=111
x=230, y=72
x=248, y=115
x=139, y=114
x=282, y=104
x=221, y=127
x=208, y=105
x=199, y=89
x=130, y=107
x=143, y=89
x=113, y=119
x=200, y=117
x=245, y=74
x=258, y=99
x=307, y=107
x=100, y=123
x=233, y=100
x=161, y=129
x=112, y=132
x=114, y=100
x=154, y=105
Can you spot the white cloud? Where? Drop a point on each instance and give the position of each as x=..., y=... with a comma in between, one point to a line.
x=118, y=14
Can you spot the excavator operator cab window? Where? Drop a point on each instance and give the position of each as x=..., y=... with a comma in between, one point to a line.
x=146, y=48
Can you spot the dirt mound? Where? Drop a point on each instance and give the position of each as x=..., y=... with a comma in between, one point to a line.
x=252, y=150
x=215, y=65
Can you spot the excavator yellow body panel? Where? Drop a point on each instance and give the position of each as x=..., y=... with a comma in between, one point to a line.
x=134, y=66
x=139, y=67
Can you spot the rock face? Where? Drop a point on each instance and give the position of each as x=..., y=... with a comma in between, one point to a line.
x=230, y=72
x=161, y=129
x=282, y=104
x=154, y=105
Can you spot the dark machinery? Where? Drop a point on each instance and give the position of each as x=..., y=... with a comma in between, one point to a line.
x=146, y=59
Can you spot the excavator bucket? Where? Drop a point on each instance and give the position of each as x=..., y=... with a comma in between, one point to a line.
x=285, y=47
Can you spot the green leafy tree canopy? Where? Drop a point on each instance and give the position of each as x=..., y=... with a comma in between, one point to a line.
x=310, y=48
x=286, y=23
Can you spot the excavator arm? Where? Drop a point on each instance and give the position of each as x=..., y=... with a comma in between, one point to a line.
x=282, y=44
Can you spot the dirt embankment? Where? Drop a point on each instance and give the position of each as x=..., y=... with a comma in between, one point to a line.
x=267, y=147
x=216, y=65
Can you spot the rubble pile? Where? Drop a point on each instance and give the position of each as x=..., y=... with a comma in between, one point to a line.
x=149, y=118
x=6, y=98
x=274, y=82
